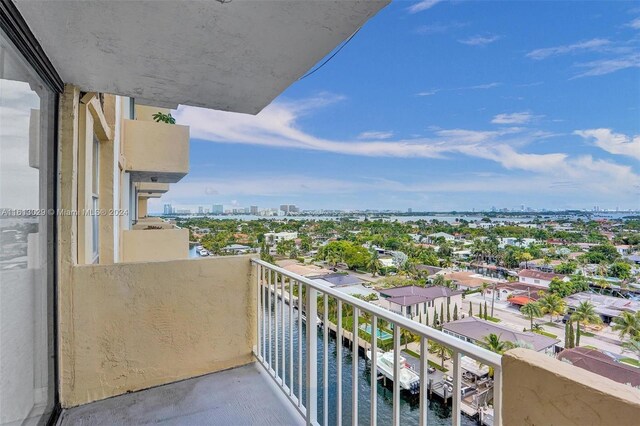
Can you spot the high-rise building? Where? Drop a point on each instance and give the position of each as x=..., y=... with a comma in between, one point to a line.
x=168, y=209
x=217, y=209
x=200, y=210
x=254, y=210
x=409, y=210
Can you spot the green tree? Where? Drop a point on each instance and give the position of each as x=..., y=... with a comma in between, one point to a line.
x=572, y=337
x=494, y=343
x=435, y=319
x=374, y=264
x=531, y=309
x=560, y=287
x=620, y=270
x=627, y=324
x=584, y=314
x=526, y=258
x=455, y=312
x=552, y=304
x=486, y=311
x=441, y=312
x=480, y=311
x=470, y=309
x=448, y=312
x=160, y=117
x=483, y=289
x=566, y=268
x=441, y=350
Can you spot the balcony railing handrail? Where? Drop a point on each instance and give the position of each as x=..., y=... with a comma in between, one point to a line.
x=476, y=352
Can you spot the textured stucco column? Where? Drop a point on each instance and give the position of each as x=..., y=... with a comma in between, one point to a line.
x=540, y=390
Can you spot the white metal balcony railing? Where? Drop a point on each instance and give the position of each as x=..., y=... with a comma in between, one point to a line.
x=280, y=349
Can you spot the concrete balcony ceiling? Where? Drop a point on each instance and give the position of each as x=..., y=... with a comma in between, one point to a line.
x=229, y=55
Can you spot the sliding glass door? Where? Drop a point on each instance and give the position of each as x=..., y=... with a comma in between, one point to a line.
x=27, y=146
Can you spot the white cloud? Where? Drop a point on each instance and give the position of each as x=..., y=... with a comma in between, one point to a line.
x=375, y=135
x=422, y=5
x=613, y=143
x=476, y=87
x=513, y=118
x=607, y=66
x=635, y=24
x=589, y=45
x=276, y=126
x=480, y=40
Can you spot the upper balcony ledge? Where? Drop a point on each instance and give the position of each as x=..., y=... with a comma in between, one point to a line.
x=147, y=245
x=156, y=152
x=240, y=396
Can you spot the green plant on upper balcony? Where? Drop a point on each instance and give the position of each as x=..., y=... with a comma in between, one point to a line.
x=160, y=117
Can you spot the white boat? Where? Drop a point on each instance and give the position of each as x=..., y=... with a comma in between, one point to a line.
x=203, y=252
x=409, y=380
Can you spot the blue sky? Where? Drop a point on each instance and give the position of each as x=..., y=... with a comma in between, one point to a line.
x=442, y=106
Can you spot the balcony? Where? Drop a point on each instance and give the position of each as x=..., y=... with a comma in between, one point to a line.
x=156, y=241
x=156, y=152
x=149, y=188
x=133, y=326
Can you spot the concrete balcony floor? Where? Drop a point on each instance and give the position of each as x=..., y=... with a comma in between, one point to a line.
x=240, y=396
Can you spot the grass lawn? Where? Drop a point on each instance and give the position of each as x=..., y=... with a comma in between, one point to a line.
x=586, y=333
x=431, y=363
x=630, y=361
x=544, y=333
x=493, y=319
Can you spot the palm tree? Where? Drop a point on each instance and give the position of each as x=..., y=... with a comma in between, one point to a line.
x=585, y=313
x=442, y=351
x=627, y=324
x=531, y=309
x=552, y=304
x=374, y=264
x=483, y=289
x=407, y=336
x=494, y=343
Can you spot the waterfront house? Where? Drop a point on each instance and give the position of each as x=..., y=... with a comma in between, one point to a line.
x=474, y=330
x=420, y=303
x=608, y=307
x=539, y=278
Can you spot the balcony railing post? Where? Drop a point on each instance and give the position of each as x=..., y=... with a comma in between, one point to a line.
x=339, y=364
x=276, y=327
x=497, y=396
x=396, y=374
x=325, y=360
x=269, y=342
x=457, y=386
x=354, y=368
x=258, y=348
x=374, y=369
x=312, y=356
x=424, y=377
x=291, y=284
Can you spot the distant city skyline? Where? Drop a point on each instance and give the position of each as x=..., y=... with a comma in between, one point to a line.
x=457, y=106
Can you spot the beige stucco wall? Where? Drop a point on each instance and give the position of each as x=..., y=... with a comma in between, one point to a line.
x=142, y=207
x=131, y=326
x=140, y=245
x=145, y=112
x=156, y=150
x=540, y=390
